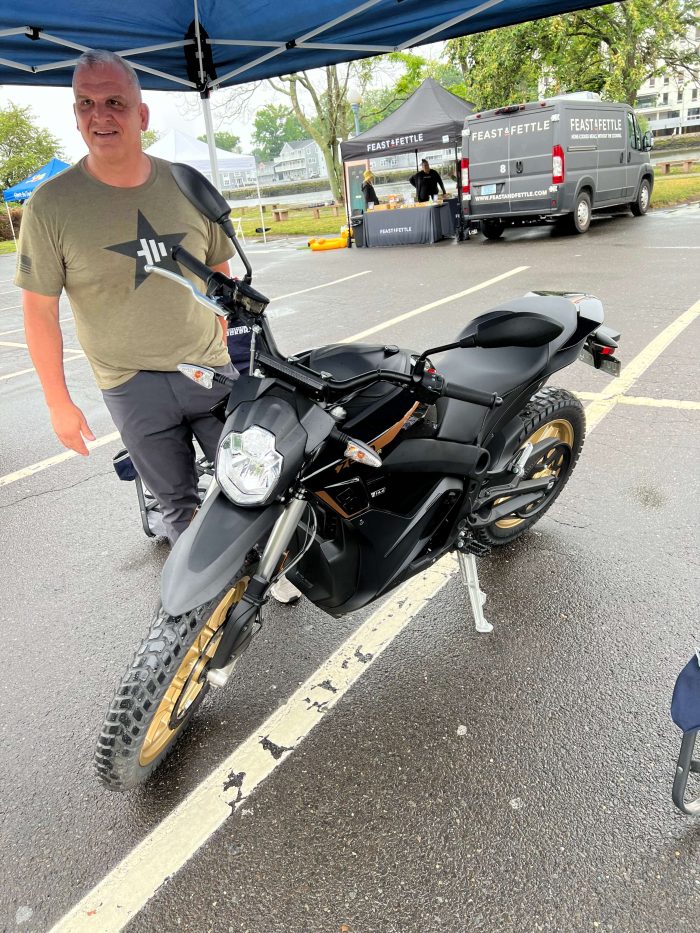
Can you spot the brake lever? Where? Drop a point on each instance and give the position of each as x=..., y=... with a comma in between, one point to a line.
x=196, y=294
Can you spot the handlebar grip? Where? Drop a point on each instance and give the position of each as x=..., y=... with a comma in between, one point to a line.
x=487, y=399
x=186, y=259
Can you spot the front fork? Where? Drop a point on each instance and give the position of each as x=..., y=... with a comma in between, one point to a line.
x=239, y=626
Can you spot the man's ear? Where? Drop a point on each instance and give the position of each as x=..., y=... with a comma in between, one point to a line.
x=145, y=116
x=75, y=114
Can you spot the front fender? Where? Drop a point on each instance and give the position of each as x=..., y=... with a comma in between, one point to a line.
x=210, y=553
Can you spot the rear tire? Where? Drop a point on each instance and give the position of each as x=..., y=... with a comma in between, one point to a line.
x=641, y=205
x=492, y=229
x=580, y=219
x=160, y=691
x=553, y=413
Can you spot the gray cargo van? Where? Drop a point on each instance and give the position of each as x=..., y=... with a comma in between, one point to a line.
x=556, y=159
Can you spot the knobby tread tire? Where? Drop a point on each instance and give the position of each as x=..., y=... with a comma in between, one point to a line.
x=138, y=696
x=548, y=404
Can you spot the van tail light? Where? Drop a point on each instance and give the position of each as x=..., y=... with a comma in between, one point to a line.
x=557, y=165
x=465, y=176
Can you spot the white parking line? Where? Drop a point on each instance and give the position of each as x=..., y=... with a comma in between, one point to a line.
x=313, y=288
x=52, y=461
x=121, y=895
x=131, y=884
x=77, y=355
x=433, y=304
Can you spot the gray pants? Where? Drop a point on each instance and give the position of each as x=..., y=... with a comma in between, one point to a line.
x=157, y=414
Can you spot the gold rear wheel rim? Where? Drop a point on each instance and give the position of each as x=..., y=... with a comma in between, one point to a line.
x=559, y=430
x=187, y=684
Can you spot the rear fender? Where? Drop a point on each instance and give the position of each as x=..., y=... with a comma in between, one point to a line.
x=212, y=551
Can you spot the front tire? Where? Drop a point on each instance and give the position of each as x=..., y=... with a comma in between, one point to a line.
x=641, y=205
x=160, y=691
x=580, y=220
x=551, y=413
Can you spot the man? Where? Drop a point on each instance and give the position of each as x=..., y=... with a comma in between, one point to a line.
x=92, y=230
x=426, y=182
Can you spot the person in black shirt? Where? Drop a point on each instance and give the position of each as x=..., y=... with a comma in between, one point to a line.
x=426, y=182
x=368, y=192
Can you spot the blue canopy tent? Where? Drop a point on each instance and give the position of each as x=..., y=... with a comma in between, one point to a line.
x=22, y=190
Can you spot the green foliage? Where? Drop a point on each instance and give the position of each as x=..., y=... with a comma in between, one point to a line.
x=274, y=126
x=149, y=137
x=227, y=141
x=24, y=146
x=609, y=49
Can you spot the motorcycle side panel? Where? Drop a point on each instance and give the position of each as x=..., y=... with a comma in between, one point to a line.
x=211, y=552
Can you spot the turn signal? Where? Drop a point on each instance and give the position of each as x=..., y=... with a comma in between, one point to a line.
x=557, y=165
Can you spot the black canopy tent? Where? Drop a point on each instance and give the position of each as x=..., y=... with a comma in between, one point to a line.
x=431, y=118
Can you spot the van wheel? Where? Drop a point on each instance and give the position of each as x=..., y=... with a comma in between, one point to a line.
x=492, y=229
x=641, y=205
x=581, y=217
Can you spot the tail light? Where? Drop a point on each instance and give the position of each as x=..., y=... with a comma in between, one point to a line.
x=557, y=165
x=465, y=176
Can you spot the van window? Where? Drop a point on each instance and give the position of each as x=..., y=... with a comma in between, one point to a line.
x=633, y=134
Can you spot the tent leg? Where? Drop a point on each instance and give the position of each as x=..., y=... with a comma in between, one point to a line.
x=262, y=216
x=11, y=224
x=211, y=142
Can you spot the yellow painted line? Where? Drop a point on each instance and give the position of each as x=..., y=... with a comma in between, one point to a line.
x=433, y=304
x=609, y=397
x=51, y=461
x=313, y=288
x=126, y=889
x=644, y=402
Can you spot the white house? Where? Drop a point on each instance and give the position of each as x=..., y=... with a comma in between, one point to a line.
x=300, y=159
x=671, y=106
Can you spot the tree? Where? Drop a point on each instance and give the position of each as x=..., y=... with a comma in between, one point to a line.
x=149, y=137
x=609, y=49
x=228, y=141
x=24, y=146
x=274, y=126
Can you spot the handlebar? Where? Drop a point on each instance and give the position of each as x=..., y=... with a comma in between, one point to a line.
x=475, y=396
x=185, y=258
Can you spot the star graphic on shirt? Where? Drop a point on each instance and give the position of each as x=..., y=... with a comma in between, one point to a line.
x=149, y=248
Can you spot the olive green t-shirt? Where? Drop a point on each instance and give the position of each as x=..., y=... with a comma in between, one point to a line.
x=94, y=240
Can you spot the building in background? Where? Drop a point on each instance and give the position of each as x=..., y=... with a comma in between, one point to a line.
x=299, y=160
x=672, y=107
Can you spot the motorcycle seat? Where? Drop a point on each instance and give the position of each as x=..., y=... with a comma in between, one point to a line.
x=501, y=369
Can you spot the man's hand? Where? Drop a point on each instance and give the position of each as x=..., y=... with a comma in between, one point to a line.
x=70, y=427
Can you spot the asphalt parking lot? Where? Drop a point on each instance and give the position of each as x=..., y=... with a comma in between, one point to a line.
x=518, y=781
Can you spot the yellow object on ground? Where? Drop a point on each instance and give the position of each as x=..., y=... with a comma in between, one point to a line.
x=318, y=244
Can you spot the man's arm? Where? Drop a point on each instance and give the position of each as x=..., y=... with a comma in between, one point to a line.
x=45, y=342
x=439, y=178
x=224, y=268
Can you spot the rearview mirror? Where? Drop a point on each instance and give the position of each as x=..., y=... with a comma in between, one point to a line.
x=200, y=191
x=648, y=141
x=516, y=329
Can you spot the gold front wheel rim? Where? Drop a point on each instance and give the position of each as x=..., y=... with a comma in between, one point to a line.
x=558, y=430
x=187, y=684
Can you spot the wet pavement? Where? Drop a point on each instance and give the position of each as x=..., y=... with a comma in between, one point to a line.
x=518, y=781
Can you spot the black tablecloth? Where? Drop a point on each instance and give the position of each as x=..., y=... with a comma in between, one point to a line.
x=409, y=225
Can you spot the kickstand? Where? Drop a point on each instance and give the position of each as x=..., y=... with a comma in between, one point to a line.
x=477, y=598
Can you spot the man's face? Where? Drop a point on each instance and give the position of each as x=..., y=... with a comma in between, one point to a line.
x=425, y=166
x=109, y=112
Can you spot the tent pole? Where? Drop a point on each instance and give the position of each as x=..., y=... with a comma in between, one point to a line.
x=346, y=190
x=7, y=205
x=458, y=166
x=211, y=142
x=262, y=216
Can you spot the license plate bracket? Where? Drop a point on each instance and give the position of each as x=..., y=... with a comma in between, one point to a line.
x=608, y=364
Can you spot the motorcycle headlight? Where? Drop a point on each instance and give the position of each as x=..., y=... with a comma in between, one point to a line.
x=248, y=466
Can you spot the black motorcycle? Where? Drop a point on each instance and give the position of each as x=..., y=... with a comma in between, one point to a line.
x=349, y=468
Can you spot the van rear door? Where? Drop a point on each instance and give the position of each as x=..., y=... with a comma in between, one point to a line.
x=485, y=144
x=531, y=140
